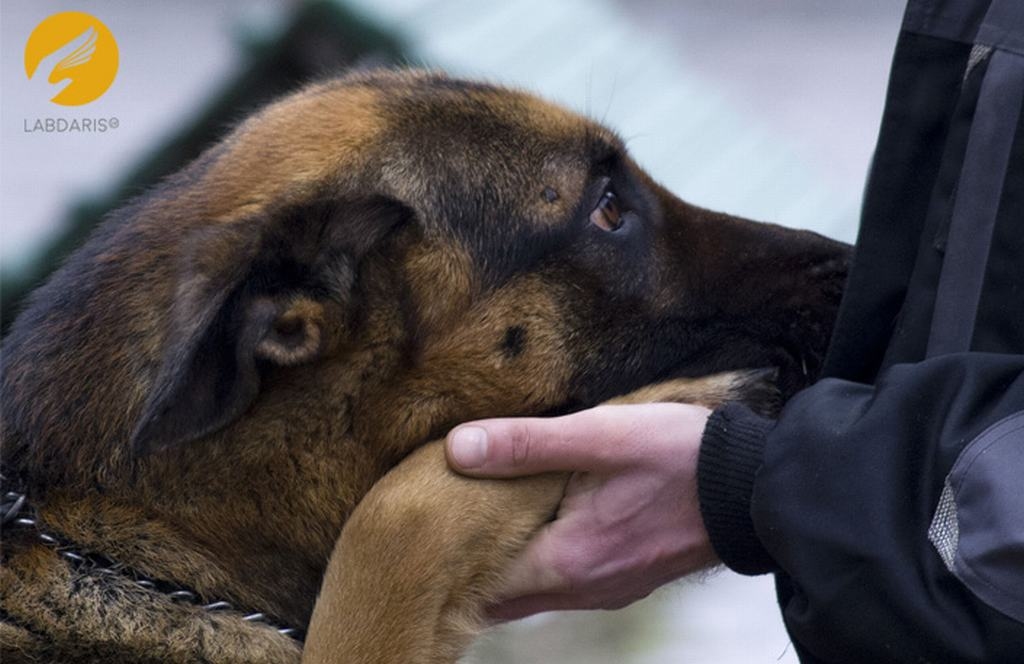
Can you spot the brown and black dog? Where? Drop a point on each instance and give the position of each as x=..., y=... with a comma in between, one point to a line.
x=205, y=391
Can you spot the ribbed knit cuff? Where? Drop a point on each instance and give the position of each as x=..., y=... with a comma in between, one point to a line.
x=731, y=453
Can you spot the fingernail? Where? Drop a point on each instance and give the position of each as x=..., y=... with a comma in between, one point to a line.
x=469, y=447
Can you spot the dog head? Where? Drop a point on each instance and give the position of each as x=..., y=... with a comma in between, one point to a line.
x=362, y=265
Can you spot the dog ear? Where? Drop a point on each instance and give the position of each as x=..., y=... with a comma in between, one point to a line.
x=255, y=295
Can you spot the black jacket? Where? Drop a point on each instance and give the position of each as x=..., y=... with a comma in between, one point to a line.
x=888, y=498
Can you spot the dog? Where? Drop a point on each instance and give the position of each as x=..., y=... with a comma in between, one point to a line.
x=194, y=405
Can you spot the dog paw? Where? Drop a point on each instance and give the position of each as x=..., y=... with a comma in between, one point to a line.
x=754, y=387
x=757, y=389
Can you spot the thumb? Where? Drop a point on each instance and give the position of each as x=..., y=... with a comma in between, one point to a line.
x=530, y=445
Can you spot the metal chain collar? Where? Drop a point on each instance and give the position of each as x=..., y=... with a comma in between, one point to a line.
x=16, y=513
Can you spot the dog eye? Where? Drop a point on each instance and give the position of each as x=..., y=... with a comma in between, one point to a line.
x=607, y=215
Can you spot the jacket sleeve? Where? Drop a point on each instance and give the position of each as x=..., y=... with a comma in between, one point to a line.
x=893, y=514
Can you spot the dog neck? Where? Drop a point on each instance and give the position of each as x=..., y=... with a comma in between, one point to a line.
x=19, y=519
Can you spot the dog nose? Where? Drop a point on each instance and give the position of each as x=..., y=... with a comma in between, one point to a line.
x=828, y=255
x=812, y=261
x=832, y=264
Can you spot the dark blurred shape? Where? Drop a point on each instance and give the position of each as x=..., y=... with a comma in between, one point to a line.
x=320, y=39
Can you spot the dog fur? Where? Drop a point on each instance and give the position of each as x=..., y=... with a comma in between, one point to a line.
x=206, y=390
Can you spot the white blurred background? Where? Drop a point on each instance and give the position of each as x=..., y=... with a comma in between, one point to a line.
x=763, y=108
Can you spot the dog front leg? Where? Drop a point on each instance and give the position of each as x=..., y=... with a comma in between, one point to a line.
x=424, y=551
x=419, y=558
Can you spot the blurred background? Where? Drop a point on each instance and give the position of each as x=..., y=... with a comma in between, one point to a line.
x=765, y=109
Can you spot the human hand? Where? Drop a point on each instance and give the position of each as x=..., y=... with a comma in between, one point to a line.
x=629, y=521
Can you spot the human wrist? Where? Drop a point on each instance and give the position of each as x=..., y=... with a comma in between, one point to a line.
x=731, y=453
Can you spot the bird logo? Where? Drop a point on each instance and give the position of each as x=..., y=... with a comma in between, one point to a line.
x=76, y=56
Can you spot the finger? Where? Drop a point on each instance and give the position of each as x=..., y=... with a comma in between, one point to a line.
x=584, y=441
x=521, y=607
x=528, y=605
x=608, y=598
x=536, y=570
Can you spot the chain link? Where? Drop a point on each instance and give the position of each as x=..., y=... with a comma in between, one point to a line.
x=17, y=514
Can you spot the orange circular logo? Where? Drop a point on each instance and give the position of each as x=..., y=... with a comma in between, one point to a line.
x=73, y=46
